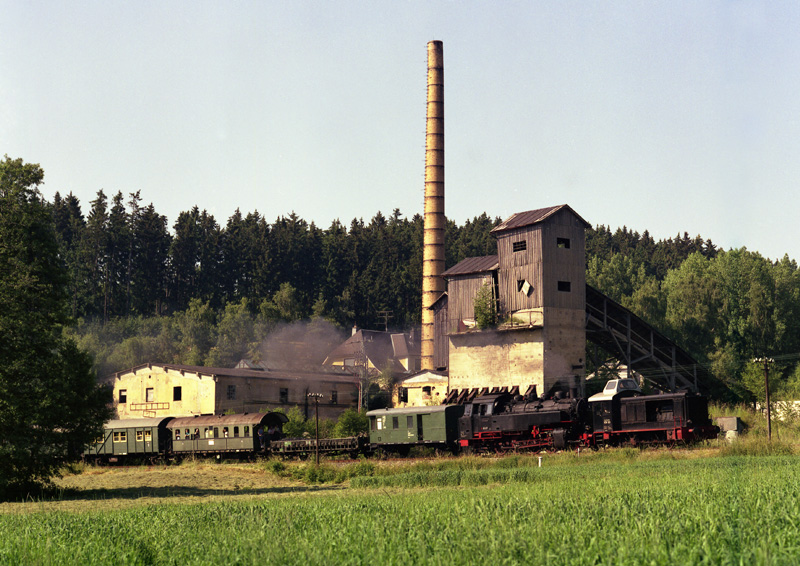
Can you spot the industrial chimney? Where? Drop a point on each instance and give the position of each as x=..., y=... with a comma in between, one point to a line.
x=433, y=249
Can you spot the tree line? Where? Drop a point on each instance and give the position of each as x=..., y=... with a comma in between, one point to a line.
x=133, y=279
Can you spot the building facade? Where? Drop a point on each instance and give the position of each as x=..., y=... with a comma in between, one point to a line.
x=154, y=390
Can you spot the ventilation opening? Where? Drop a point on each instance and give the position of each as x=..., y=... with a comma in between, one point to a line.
x=564, y=286
x=520, y=246
x=562, y=243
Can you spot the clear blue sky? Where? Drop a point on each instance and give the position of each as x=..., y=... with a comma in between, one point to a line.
x=661, y=116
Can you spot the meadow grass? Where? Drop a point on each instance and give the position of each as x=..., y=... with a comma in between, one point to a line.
x=622, y=507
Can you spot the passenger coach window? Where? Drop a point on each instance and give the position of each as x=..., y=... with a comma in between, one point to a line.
x=139, y=435
x=236, y=432
x=395, y=422
x=247, y=431
x=409, y=421
x=148, y=436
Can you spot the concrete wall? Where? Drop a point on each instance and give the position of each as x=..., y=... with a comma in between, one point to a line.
x=496, y=358
x=197, y=393
x=564, y=347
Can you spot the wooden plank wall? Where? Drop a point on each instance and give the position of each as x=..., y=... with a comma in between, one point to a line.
x=562, y=264
x=461, y=297
x=441, y=344
x=517, y=266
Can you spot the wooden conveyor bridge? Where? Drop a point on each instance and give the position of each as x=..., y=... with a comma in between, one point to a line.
x=638, y=345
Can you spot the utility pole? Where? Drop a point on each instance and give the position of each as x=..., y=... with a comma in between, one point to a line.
x=766, y=362
x=316, y=397
x=385, y=315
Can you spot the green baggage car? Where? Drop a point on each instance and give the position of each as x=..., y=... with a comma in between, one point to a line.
x=397, y=430
x=128, y=440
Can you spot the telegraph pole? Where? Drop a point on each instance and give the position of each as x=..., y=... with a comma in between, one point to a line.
x=766, y=362
x=316, y=397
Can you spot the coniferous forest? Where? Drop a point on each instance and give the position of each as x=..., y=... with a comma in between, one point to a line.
x=198, y=291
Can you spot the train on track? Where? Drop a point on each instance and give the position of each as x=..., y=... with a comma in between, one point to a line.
x=489, y=422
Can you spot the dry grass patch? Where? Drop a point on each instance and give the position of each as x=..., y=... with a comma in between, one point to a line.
x=107, y=487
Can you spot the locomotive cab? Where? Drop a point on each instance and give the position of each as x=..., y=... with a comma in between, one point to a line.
x=606, y=404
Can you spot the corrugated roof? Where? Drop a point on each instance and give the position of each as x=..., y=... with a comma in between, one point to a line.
x=236, y=419
x=520, y=219
x=473, y=265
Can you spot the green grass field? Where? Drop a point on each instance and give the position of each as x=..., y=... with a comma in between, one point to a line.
x=624, y=507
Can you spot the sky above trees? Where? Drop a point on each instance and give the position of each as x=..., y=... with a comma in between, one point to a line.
x=670, y=117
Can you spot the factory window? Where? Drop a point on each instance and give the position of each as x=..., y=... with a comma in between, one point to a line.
x=404, y=395
x=149, y=395
x=520, y=246
x=176, y=393
x=139, y=435
x=123, y=396
x=562, y=243
x=334, y=397
x=120, y=436
x=395, y=422
x=284, y=395
x=426, y=391
x=564, y=286
x=409, y=421
x=524, y=287
x=231, y=392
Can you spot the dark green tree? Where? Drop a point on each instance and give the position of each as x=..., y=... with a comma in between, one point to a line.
x=50, y=402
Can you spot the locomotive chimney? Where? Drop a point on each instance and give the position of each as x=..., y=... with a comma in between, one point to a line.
x=433, y=249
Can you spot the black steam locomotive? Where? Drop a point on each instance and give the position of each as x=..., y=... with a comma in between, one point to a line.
x=620, y=414
x=499, y=422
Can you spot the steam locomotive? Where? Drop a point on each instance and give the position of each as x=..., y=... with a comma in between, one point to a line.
x=499, y=422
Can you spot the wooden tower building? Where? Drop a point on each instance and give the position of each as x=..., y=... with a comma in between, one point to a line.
x=538, y=283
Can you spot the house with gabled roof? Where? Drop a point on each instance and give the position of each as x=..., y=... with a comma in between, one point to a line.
x=373, y=351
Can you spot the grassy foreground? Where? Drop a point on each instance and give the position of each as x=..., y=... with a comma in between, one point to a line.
x=625, y=508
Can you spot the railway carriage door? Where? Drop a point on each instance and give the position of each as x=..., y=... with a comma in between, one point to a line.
x=419, y=429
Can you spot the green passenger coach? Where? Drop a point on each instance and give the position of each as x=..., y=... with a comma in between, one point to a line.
x=130, y=439
x=246, y=433
x=399, y=429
